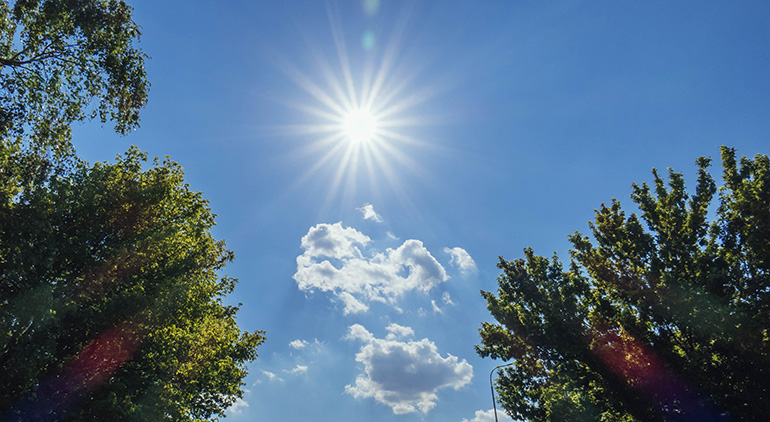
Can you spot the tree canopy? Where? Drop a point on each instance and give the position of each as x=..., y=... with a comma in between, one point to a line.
x=63, y=61
x=660, y=317
x=111, y=300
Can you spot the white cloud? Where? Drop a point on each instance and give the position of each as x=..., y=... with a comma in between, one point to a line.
x=461, y=259
x=447, y=299
x=271, y=376
x=352, y=305
x=333, y=241
x=395, y=331
x=334, y=261
x=405, y=375
x=489, y=416
x=359, y=332
x=298, y=344
x=436, y=309
x=237, y=407
x=299, y=369
x=369, y=214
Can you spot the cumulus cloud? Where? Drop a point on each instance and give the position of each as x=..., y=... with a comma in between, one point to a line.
x=489, y=416
x=333, y=241
x=369, y=214
x=298, y=344
x=461, y=259
x=334, y=260
x=447, y=299
x=359, y=332
x=404, y=375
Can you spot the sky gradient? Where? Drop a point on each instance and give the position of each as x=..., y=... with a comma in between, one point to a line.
x=502, y=125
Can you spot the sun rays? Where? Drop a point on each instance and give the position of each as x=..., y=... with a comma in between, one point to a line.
x=357, y=113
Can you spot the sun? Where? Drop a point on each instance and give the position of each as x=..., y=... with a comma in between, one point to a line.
x=360, y=126
x=358, y=113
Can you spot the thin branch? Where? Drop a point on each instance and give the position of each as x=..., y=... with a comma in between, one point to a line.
x=46, y=53
x=36, y=58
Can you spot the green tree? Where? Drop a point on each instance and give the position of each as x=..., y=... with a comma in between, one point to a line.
x=63, y=61
x=663, y=317
x=111, y=299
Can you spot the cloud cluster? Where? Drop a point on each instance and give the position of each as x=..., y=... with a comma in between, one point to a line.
x=404, y=374
x=335, y=260
x=489, y=416
x=461, y=259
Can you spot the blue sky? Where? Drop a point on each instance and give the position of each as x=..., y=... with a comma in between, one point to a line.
x=501, y=125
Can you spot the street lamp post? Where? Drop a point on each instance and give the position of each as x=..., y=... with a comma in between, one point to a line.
x=492, y=387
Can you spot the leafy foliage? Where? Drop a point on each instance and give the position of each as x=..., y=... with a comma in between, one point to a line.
x=663, y=317
x=110, y=299
x=56, y=58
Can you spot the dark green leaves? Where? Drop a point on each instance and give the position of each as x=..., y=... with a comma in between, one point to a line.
x=659, y=317
x=115, y=264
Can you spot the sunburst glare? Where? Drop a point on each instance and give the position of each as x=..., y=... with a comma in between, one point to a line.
x=359, y=118
x=360, y=125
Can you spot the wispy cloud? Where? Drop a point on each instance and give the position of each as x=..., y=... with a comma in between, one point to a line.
x=461, y=259
x=446, y=298
x=271, y=376
x=369, y=214
x=436, y=309
x=299, y=369
x=404, y=375
x=336, y=260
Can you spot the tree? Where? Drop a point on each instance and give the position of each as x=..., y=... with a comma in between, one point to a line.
x=56, y=58
x=111, y=303
x=111, y=300
x=663, y=317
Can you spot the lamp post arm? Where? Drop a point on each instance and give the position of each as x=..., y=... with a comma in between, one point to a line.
x=492, y=387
